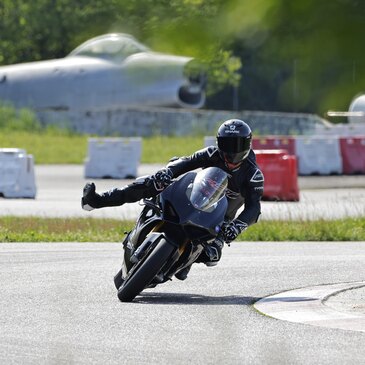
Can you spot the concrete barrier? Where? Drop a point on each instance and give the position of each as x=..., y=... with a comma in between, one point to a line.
x=209, y=141
x=17, y=178
x=318, y=155
x=116, y=158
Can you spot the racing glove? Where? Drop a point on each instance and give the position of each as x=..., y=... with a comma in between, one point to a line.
x=232, y=229
x=162, y=179
x=90, y=199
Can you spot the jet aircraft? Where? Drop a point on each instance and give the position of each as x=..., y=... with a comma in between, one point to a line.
x=104, y=73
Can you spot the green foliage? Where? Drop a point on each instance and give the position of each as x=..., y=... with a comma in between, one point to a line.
x=45, y=29
x=30, y=229
x=223, y=71
x=322, y=51
x=18, y=120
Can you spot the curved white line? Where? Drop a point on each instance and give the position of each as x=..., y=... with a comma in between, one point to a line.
x=307, y=305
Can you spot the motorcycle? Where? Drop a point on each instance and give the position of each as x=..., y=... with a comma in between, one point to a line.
x=172, y=230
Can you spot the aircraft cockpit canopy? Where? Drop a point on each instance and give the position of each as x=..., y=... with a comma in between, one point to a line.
x=113, y=47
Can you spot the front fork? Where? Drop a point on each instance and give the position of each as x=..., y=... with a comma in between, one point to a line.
x=132, y=256
x=119, y=277
x=186, y=254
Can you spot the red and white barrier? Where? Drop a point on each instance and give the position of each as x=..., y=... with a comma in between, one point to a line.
x=280, y=173
x=317, y=154
x=353, y=155
x=321, y=154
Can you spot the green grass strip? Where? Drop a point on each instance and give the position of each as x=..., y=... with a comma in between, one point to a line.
x=60, y=147
x=34, y=229
x=31, y=229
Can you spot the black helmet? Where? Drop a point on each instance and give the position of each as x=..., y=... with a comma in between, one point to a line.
x=234, y=141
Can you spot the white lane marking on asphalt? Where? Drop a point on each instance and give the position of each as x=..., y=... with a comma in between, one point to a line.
x=307, y=305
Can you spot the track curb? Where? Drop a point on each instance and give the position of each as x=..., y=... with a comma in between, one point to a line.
x=308, y=306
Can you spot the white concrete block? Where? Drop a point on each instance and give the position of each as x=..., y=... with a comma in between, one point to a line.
x=17, y=178
x=115, y=158
x=318, y=155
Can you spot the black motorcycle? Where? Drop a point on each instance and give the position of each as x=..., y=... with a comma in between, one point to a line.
x=172, y=231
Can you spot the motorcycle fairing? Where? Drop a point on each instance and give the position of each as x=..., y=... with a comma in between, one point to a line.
x=174, y=199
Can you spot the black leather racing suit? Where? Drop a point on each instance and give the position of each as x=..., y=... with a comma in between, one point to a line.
x=245, y=184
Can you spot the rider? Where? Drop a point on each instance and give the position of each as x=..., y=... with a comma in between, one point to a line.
x=233, y=154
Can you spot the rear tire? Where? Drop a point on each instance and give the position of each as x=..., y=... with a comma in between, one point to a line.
x=146, y=272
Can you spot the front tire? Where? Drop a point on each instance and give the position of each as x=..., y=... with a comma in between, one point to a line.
x=146, y=272
x=118, y=279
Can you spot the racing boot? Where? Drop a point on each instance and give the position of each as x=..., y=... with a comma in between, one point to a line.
x=212, y=253
x=142, y=187
x=92, y=200
x=183, y=273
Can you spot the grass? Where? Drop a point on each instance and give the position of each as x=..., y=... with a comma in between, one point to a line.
x=60, y=147
x=48, y=148
x=34, y=229
x=31, y=229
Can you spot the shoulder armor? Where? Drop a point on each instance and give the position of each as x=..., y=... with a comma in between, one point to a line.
x=257, y=177
x=210, y=151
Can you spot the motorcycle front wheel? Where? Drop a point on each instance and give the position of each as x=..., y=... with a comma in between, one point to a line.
x=147, y=270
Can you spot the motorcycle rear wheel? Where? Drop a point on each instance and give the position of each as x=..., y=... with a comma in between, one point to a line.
x=146, y=272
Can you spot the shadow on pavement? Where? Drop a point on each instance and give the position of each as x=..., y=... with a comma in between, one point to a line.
x=193, y=299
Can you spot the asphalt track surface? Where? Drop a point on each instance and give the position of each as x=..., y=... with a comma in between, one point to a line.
x=59, y=306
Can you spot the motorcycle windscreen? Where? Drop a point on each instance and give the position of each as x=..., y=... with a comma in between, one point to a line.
x=208, y=187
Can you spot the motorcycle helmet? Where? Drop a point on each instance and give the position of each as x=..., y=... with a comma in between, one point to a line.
x=234, y=138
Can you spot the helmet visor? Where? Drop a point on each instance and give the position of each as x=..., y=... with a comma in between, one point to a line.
x=235, y=158
x=234, y=144
x=234, y=149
